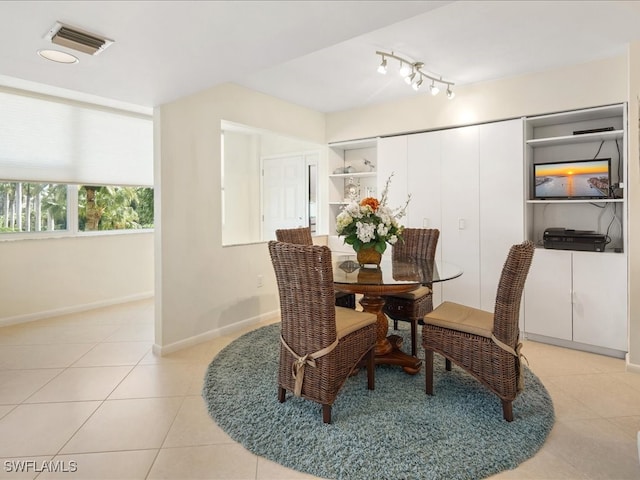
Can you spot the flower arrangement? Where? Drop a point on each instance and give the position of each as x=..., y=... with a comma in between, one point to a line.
x=371, y=223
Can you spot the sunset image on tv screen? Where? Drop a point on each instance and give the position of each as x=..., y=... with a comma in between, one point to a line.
x=586, y=179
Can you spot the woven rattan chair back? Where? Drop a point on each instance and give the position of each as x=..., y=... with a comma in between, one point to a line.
x=418, y=243
x=301, y=236
x=509, y=293
x=310, y=339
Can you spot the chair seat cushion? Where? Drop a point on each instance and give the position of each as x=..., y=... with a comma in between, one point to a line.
x=414, y=294
x=461, y=318
x=349, y=320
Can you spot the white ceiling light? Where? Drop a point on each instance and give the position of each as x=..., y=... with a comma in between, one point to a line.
x=383, y=66
x=413, y=73
x=77, y=39
x=57, y=56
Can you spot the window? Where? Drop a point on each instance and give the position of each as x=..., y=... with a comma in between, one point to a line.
x=69, y=166
x=45, y=207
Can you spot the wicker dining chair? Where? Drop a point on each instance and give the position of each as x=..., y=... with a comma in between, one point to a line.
x=320, y=344
x=412, y=306
x=302, y=236
x=484, y=344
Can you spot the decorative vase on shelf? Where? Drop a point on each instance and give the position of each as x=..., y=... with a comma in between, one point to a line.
x=369, y=256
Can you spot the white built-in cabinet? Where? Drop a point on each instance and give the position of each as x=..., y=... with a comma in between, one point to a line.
x=578, y=298
x=467, y=182
x=475, y=184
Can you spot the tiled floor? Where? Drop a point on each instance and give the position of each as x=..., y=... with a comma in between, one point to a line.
x=85, y=390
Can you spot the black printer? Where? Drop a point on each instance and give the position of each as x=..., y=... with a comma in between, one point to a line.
x=569, y=239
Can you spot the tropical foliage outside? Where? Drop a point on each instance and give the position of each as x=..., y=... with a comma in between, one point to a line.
x=36, y=207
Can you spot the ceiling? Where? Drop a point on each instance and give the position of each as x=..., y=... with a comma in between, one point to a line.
x=318, y=54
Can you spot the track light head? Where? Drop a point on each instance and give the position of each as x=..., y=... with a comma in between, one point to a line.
x=416, y=85
x=405, y=69
x=382, y=68
x=450, y=93
x=409, y=79
x=433, y=88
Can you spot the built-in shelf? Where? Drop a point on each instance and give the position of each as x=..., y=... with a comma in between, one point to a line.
x=573, y=139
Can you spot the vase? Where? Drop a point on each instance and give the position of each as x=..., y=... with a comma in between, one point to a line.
x=369, y=256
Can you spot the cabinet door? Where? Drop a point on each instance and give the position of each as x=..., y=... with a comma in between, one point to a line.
x=600, y=299
x=460, y=213
x=424, y=180
x=392, y=158
x=501, y=193
x=547, y=295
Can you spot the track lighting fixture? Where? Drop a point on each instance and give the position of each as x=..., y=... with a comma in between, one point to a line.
x=414, y=75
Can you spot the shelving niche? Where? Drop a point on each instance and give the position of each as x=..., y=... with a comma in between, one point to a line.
x=550, y=138
x=350, y=154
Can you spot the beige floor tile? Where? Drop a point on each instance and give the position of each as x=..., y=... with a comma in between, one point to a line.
x=146, y=381
x=55, y=334
x=22, y=468
x=128, y=465
x=114, y=354
x=41, y=356
x=201, y=353
x=268, y=470
x=595, y=448
x=566, y=406
x=18, y=385
x=135, y=332
x=542, y=466
x=41, y=429
x=627, y=425
x=5, y=409
x=126, y=425
x=193, y=426
x=601, y=393
x=214, y=462
x=81, y=384
x=197, y=379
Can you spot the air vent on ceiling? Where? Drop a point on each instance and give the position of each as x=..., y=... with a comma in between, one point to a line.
x=76, y=39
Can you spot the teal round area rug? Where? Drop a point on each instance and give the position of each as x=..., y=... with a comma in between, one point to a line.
x=393, y=432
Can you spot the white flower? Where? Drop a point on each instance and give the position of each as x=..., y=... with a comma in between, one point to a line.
x=365, y=231
x=353, y=209
x=343, y=220
x=382, y=230
x=392, y=239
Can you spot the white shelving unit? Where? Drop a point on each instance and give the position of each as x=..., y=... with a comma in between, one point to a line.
x=578, y=298
x=350, y=154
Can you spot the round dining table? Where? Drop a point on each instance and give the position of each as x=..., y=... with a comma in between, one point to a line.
x=391, y=277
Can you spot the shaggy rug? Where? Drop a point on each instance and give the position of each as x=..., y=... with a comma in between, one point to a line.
x=394, y=432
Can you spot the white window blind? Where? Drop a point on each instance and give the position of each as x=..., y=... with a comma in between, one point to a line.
x=43, y=139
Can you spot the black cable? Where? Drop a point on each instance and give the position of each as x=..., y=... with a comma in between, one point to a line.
x=599, y=148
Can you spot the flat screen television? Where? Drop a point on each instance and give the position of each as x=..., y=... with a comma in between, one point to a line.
x=575, y=179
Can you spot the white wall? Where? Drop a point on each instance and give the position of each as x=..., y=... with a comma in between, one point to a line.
x=204, y=287
x=46, y=277
x=633, y=195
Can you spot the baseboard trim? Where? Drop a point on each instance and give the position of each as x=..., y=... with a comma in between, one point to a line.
x=632, y=367
x=162, y=350
x=31, y=317
x=558, y=342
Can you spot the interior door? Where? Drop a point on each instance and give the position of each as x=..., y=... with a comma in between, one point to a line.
x=284, y=194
